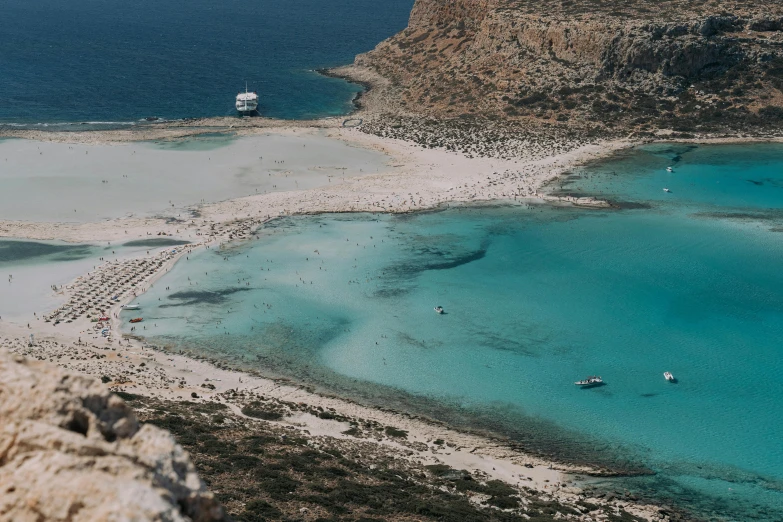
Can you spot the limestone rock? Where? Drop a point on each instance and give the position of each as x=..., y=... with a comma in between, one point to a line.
x=72, y=451
x=576, y=60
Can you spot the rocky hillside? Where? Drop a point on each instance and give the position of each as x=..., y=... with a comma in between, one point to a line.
x=681, y=65
x=71, y=451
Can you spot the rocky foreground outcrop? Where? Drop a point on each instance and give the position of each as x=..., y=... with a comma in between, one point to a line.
x=71, y=451
x=682, y=65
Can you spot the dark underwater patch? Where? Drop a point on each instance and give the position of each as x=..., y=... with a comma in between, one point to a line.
x=778, y=183
x=564, y=192
x=418, y=343
x=390, y=292
x=429, y=258
x=762, y=215
x=155, y=242
x=454, y=262
x=205, y=141
x=526, y=344
x=11, y=251
x=674, y=152
x=630, y=205
x=287, y=223
x=283, y=342
x=196, y=297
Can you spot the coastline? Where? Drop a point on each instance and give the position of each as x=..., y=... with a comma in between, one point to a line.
x=471, y=105
x=410, y=172
x=357, y=102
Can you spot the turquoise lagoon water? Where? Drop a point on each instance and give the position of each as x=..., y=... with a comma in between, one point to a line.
x=724, y=179
x=536, y=298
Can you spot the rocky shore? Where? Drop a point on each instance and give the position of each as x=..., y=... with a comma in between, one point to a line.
x=71, y=450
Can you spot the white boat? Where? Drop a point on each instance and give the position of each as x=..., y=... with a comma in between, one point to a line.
x=439, y=310
x=131, y=307
x=247, y=102
x=669, y=169
x=590, y=382
x=666, y=190
x=668, y=376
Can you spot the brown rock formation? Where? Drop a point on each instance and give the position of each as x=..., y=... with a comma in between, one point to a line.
x=71, y=451
x=685, y=65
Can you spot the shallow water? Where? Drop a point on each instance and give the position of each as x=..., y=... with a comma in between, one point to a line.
x=536, y=298
x=114, y=61
x=728, y=178
x=42, y=181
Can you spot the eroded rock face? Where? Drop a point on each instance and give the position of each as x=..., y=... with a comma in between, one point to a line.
x=571, y=60
x=71, y=451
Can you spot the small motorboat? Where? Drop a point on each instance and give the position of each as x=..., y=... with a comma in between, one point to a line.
x=590, y=382
x=131, y=307
x=669, y=169
x=137, y=320
x=669, y=377
x=439, y=310
x=666, y=190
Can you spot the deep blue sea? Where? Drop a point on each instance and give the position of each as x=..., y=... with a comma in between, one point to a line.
x=537, y=297
x=118, y=61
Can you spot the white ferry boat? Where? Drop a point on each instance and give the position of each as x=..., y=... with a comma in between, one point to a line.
x=247, y=102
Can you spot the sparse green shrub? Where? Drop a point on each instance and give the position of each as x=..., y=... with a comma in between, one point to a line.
x=127, y=396
x=394, y=432
x=258, y=410
x=259, y=511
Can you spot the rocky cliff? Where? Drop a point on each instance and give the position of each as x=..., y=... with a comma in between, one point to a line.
x=643, y=66
x=71, y=451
